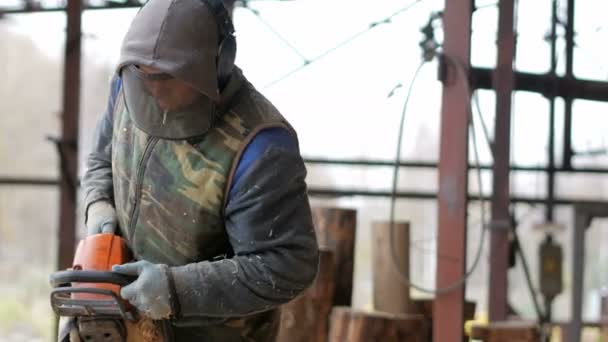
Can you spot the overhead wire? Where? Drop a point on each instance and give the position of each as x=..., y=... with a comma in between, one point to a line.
x=347, y=41
x=276, y=33
x=420, y=244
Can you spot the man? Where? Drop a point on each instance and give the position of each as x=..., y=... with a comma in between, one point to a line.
x=203, y=177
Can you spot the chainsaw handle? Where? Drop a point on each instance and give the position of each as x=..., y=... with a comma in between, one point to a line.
x=78, y=276
x=64, y=305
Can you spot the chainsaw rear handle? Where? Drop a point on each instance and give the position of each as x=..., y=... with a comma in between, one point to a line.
x=62, y=278
x=64, y=305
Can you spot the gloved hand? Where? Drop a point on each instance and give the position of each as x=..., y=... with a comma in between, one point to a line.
x=101, y=218
x=150, y=293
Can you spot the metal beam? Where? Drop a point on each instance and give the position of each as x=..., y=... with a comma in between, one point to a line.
x=63, y=9
x=448, y=320
x=6, y=181
x=543, y=83
x=328, y=192
x=499, y=237
x=33, y=181
x=432, y=165
x=86, y=7
x=69, y=121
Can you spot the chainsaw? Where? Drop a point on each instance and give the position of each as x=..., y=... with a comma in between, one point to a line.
x=90, y=293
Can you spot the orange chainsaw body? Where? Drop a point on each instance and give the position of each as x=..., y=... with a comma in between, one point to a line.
x=99, y=253
x=90, y=288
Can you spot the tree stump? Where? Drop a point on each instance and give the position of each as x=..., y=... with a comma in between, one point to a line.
x=306, y=318
x=351, y=325
x=390, y=294
x=336, y=231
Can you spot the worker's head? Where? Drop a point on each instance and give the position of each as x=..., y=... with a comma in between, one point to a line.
x=175, y=59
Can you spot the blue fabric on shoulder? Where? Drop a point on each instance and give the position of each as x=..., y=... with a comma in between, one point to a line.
x=265, y=139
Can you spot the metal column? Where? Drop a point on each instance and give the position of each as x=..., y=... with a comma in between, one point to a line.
x=552, y=93
x=448, y=320
x=68, y=142
x=567, y=151
x=582, y=221
x=583, y=214
x=503, y=84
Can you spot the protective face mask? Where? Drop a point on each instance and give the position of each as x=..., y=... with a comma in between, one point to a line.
x=184, y=122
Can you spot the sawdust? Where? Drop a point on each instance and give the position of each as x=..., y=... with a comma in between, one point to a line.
x=145, y=330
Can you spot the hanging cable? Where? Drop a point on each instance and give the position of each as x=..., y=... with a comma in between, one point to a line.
x=341, y=44
x=403, y=277
x=419, y=244
x=483, y=123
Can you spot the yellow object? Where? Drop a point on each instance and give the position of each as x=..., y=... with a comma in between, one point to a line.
x=481, y=319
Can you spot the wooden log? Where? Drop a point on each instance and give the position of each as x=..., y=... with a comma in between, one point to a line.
x=350, y=325
x=425, y=308
x=306, y=318
x=507, y=332
x=336, y=231
x=390, y=294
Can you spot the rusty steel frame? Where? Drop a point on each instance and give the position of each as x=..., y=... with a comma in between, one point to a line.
x=328, y=192
x=551, y=96
x=69, y=129
x=431, y=165
x=501, y=201
x=448, y=320
x=565, y=87
x=567, y=148
x=413, y=164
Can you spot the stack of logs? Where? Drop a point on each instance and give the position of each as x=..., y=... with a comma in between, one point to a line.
x=324, y=313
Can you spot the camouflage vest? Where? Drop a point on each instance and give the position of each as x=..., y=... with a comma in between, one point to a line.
x=170, y=194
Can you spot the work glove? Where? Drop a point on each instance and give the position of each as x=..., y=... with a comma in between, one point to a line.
x=151, y=292
x=101, y=218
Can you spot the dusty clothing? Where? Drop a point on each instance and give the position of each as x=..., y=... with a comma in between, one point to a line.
x=217, y=195
x=165, y=190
